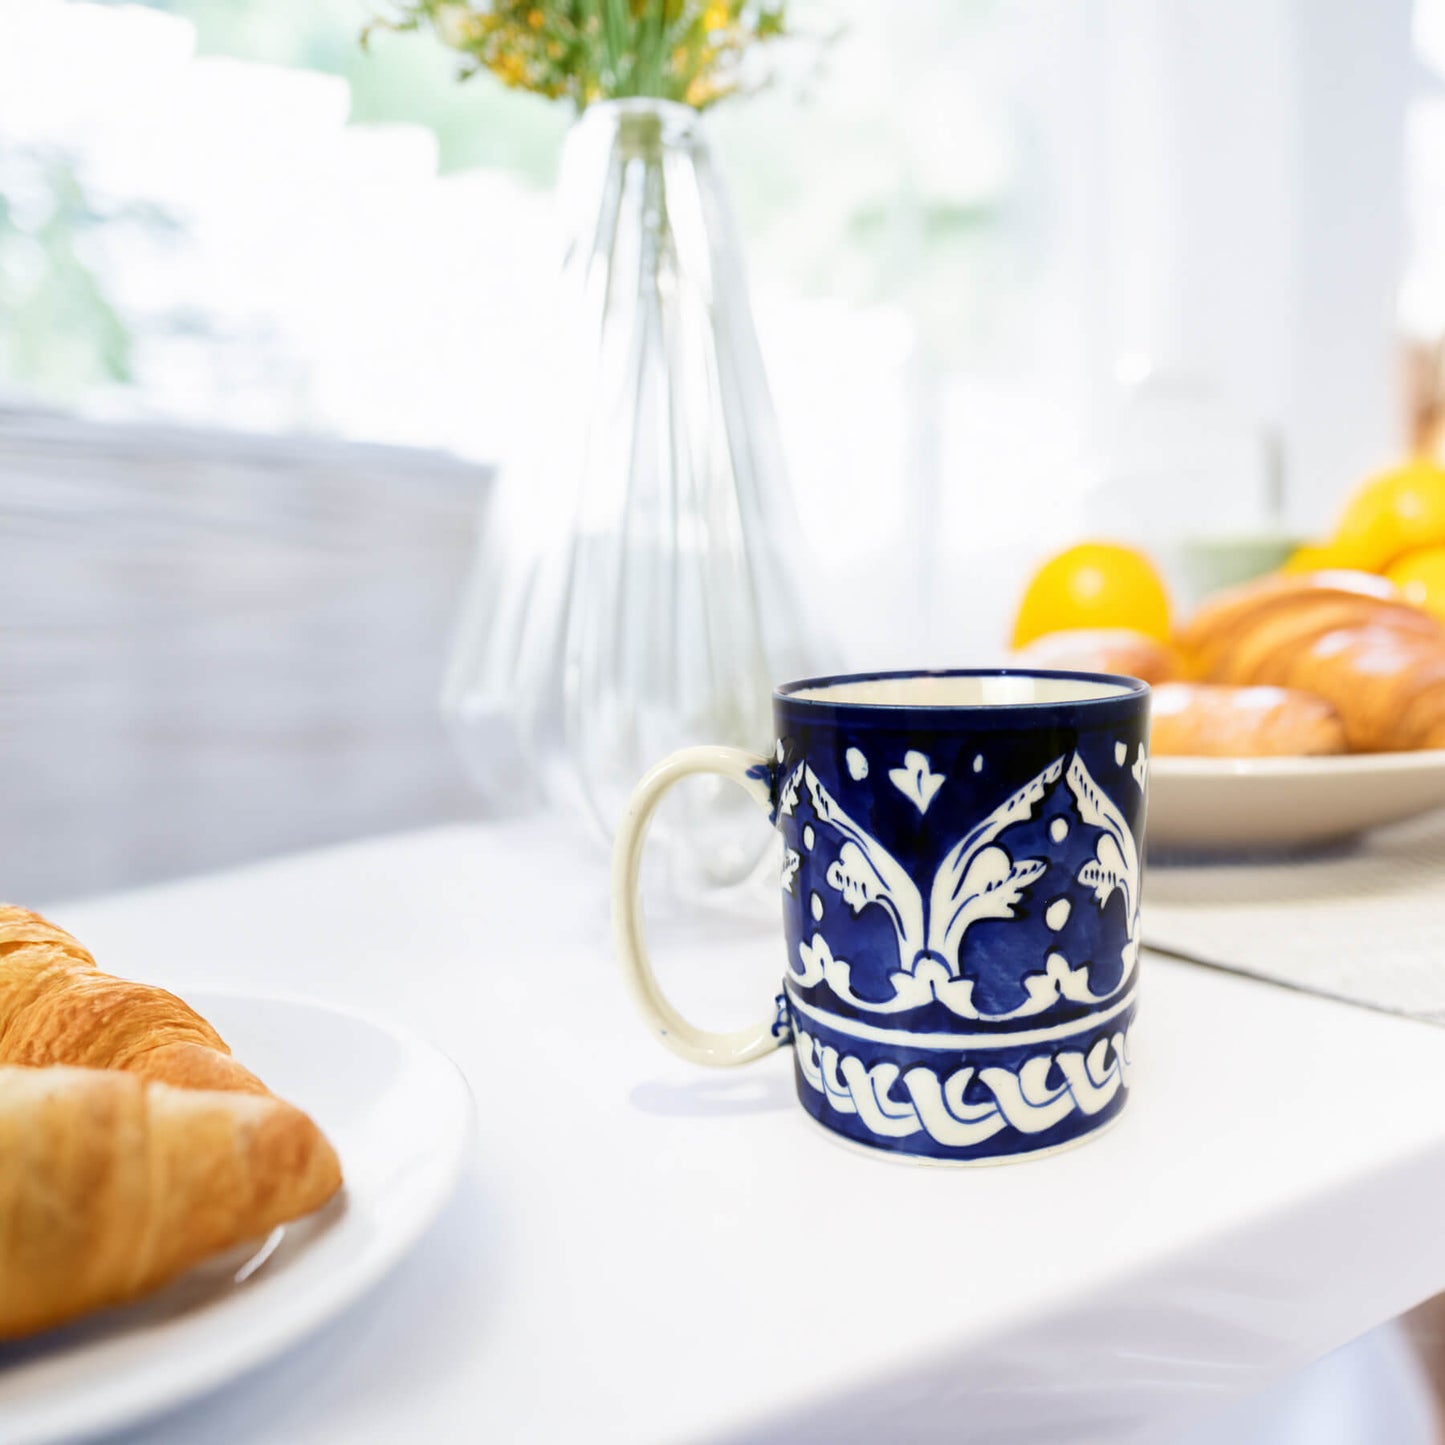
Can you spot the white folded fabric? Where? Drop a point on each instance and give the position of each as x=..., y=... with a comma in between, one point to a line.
x=1364, y=923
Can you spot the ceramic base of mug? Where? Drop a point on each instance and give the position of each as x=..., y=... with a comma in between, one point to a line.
x=990, y=1161
x=962, y=1098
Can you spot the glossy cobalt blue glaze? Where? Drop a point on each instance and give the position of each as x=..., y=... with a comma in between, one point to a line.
x=961, y=896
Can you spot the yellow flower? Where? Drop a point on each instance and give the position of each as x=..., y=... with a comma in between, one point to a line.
x=557, y=49
x=510, y=69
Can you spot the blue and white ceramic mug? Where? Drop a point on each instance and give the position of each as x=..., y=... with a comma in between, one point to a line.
x=960, y=886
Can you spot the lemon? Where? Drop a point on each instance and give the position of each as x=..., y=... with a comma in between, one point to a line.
x=1315, y=557
x=1095, y=584
x=1398, y=511
x=1420, y=576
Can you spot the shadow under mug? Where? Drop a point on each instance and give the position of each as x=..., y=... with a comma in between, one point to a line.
x=960, y=885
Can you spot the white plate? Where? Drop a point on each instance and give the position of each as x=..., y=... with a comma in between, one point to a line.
x=1271, y=803
x=400, y=1116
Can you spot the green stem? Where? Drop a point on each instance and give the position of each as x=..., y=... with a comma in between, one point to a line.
x=659, y=38
x=614, y=30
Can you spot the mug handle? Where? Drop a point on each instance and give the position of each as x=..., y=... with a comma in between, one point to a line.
x=752, y=773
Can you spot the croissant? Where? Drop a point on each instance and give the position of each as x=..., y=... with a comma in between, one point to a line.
x=1388, y=687
x=112, y=1185
x=1344, y=637
x=57, y=1007
x=1214, y=633
x=1104, y=649
x=1200, y=719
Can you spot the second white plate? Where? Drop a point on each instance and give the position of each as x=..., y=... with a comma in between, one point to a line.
x=400, y=1116
x=1254, y=804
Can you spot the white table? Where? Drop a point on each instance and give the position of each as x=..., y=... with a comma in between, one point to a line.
x=648, y=1251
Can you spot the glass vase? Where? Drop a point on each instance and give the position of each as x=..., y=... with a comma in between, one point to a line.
x=634, y=590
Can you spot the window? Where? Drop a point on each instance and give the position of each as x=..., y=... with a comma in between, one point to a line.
x=963, y=231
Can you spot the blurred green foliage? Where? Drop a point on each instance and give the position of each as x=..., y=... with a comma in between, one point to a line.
x=397, y=78
x=869, y=200
x=59, y=330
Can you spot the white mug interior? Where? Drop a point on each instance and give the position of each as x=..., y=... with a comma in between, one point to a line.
x=959, y=690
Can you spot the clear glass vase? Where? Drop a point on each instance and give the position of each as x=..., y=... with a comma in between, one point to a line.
x=634, y=589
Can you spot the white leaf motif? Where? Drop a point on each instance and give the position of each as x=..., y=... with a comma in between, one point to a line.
x=916, y=780
x=817, y=965
x=978, y=879
x=866, y=872
x=1115, y=864
x=955, y=903
x=792, y=860
x=788, y=793
x=814, y=956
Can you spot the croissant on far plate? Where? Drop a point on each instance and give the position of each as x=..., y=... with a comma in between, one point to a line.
x=1102, y=649
x=1344, y=637
x=1200, y=719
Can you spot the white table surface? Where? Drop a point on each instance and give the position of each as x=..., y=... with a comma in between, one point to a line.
x=650, y=1251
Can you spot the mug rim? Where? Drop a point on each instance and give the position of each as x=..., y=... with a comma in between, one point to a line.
x=1130, y=689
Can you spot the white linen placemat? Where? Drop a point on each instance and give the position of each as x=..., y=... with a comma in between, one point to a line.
x=1364, y=923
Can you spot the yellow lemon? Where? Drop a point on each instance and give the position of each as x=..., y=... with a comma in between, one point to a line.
x=1315, y=557
x=1096, y=584
x=1396, y=512
x=1420, y=576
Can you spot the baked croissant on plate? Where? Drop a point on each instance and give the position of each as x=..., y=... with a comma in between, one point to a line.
x=157, y=1152
x=1346, y=638
x=1102, y=649
x=112, y=1186
x=1203, y=720
x=57, y=1007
